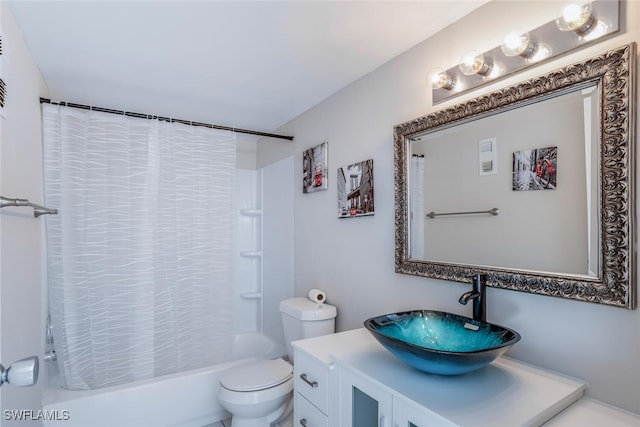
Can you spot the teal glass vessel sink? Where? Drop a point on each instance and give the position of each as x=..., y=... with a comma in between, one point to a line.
x=441, y=343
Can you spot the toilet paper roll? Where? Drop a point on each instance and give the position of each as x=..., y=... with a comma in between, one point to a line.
x=316, y=295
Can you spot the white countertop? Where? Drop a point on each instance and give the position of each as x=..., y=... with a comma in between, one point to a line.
x=327, y=348
x=591, y=413
x=506, y=393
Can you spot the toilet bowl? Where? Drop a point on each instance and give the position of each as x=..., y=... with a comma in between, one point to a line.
x=258, y=393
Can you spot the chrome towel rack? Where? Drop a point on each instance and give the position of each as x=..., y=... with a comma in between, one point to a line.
x=494, y=212
x=37, y=209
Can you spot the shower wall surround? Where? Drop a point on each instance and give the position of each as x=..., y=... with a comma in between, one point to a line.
x=264, y=258
x=247, y=292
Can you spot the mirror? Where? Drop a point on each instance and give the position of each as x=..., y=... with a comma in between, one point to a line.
x=535, y=165
x=531, y=185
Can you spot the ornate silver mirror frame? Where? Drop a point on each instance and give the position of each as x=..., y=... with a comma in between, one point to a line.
x=614, y=74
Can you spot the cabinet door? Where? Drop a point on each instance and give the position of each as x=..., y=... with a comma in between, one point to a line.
x=408, y=414
x=307, y=415
x=363, y=403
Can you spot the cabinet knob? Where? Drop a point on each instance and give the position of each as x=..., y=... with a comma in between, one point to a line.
x=303, y=422
x=304, y=378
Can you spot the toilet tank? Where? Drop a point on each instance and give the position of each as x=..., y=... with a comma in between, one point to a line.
x=303, y=318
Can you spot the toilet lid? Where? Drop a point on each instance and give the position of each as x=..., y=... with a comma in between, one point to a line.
x=256, y=376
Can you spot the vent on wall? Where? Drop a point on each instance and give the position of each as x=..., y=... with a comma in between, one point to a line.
x=3, y=85
x=488, y=157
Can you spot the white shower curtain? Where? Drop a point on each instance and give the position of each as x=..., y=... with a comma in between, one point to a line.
x=140, y=256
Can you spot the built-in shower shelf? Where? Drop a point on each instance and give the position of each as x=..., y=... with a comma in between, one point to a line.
x=251, y=254
x=251, y=212
x=251, y=295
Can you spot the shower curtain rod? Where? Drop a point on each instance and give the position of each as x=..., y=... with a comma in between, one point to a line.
x=166, y=119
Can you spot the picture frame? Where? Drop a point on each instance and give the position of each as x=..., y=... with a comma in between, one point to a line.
x=535, y=169
x=315, y=168
x=356, y=190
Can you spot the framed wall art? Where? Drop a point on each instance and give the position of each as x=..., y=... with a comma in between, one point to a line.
x=355, y=190
x=314, y=168
x=535, y=169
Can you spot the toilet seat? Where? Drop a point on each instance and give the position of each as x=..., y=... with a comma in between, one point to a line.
x=256, y=376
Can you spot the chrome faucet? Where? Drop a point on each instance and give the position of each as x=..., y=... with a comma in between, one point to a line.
x=478, y=295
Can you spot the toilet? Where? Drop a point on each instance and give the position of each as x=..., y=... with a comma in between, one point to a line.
x=260, y=393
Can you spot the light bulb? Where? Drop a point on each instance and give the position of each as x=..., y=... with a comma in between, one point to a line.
x=440, y=79
x=518, y=43
x=474, y=62
x=577, y=17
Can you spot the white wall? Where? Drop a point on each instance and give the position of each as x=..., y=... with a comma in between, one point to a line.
x=246, y=151
x=22, y=295
x=353, y=259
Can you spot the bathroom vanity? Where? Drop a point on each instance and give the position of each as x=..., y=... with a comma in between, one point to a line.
x=349, y=379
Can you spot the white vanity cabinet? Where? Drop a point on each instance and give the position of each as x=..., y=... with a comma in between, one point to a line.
x=360, y=384
x=366, y=404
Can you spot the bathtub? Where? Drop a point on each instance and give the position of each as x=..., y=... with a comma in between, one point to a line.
x=185, y=399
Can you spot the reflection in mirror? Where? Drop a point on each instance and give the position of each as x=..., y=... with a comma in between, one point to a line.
x=536, y=164
x=531, y=185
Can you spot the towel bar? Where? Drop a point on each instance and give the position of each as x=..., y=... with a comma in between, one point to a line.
x=37, y=209
x=494, y=212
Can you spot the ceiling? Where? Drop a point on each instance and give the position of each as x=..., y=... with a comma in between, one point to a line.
x=253, y=65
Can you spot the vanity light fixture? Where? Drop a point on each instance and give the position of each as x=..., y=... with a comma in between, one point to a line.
x=580, y=23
